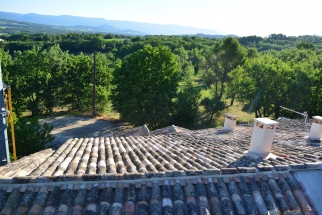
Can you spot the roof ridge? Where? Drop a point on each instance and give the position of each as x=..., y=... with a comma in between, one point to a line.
x=129, y=177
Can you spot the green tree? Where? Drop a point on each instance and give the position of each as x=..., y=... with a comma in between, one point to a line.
x=221, y=59
x=27, y=79
x=266, y=83
x=104, y=76
x=213, y=106
x=315, y=97
x=5, y=60
x=31, y=136
x=305, y=45
x=78, y=82
x=78, y=78
x=145, y=86
x=186, y=106
x=55, y=63
x=225, y=56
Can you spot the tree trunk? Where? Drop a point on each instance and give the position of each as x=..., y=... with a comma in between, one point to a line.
x=232, y=99
x=211, y=116
x=276, y=112
x=221, y=90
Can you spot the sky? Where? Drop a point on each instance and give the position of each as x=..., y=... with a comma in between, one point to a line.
x=239, y=17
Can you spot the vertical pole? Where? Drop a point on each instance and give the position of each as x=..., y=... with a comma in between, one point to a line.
x=12, y=125
x=94, y=86
x=6, y=105
x=4, y=148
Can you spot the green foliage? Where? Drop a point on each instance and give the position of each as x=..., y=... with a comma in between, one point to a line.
x=51, y=70
x=226, y=55
x=186, y=106
x=36, y=78
x=266, y=83
x=145, y=86
x=252, y=53
x=44, y=79
x=207, y=76
x=212, y=106
x=5, y=61
x=78, y=78
x=31, y=136
x=305, y=45
x=315, y=97
x=28, y=68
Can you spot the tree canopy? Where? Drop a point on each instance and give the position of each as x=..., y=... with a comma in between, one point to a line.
x=145, y=86
x=159, y=77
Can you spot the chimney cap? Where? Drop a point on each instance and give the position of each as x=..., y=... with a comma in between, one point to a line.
x=266, y=121
x=317, y=117
x=231, y=115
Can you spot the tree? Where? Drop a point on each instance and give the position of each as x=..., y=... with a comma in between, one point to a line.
x=31, y=136
x=35, y=77
x=5, y=60
x=264, y=84
x=225, y=56
x=187, y=105
x=305, y=45
x=78, y=78
x=213, y=105
x=145, y=86
x=27, y=78
x=55, y=63
x=315, y=97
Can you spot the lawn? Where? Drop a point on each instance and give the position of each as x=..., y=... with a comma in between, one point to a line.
x=219, y=118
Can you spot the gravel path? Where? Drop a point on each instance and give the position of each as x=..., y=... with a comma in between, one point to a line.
x=66, y=127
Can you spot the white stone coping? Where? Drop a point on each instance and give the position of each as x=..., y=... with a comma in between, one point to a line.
x=266, y=121
x=317, y=117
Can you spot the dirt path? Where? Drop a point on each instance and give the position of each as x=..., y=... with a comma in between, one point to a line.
x=66, y=127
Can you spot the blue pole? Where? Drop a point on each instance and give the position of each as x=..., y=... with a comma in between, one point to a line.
x=4, y=149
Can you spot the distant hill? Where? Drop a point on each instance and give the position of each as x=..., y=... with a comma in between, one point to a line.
x=16, y=27
x=113, y=26
x=215, y=36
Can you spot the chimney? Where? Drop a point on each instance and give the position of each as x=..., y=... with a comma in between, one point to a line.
x=262, y=137
x=316, y=128
x=230, y=122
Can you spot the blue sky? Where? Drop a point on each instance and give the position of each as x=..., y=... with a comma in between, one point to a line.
x=241, y=17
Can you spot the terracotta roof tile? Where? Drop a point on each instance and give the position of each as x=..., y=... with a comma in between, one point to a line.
x=171, y=170
x=241, y=197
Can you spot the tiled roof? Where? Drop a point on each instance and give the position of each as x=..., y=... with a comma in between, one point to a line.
x=255, y=194
x=137, y=131
x=177, y=151
x=167, y=171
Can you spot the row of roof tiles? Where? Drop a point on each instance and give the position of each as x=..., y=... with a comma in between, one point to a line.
x=256, y=194
x=173, y=152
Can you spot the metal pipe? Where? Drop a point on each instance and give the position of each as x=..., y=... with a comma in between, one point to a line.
x=6, y=104
x=11, y=124
x=94, y=87
x=305, y=115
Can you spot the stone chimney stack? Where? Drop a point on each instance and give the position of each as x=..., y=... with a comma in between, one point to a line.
x=316, y=128
x=262, y=137
x=230, y=122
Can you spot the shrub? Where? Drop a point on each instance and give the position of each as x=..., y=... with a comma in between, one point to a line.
x=186, y=106
x=30, y=135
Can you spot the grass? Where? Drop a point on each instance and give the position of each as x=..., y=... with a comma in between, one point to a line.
x=203, y=119
x=111, y=40
x=64, y=111
x=218, y=118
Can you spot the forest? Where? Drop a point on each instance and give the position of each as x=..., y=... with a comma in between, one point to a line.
x=163, y=80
